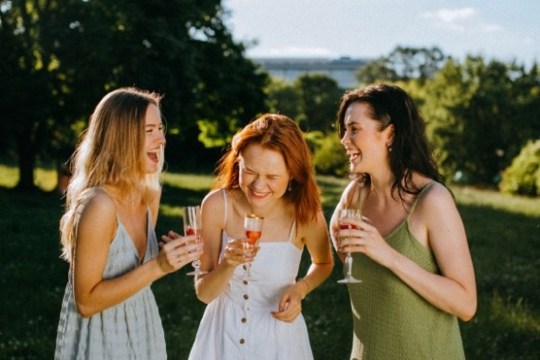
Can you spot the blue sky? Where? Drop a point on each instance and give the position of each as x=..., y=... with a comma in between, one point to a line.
x=495, y=29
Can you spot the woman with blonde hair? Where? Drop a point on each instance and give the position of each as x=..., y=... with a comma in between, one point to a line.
x=108, y=234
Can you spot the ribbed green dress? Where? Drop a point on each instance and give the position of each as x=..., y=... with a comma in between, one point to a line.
x=390, y=320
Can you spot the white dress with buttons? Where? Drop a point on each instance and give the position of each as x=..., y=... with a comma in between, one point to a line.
x=239, y=324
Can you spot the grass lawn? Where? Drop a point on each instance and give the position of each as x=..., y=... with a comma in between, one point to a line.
x=504, y=236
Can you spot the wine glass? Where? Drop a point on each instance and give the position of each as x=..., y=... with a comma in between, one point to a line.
x=192, y=226
x=342, y=214
x=253, y=227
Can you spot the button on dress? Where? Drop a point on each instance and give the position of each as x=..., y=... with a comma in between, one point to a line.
x=239, y=325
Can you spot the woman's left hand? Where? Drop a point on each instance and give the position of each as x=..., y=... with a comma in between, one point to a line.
x=290, y=304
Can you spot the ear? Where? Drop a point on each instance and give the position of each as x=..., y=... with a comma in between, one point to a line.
x=389, y=134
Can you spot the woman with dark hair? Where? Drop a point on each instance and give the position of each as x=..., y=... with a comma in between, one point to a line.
x=108, y=236
x=267, y=172
x=410, y=247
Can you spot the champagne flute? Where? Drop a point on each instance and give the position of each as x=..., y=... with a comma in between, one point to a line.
x=192, y=226
x=348, y=213
x=253, y=227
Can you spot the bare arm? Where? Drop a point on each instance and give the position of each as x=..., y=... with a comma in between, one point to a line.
x=316, y=239
x=210, y=285
x=96, y=229
x=454, y=290
x=437, y=224
x=319, y=248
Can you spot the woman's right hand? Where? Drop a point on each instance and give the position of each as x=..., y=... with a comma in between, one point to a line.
x=236, y=253
x=177, y=251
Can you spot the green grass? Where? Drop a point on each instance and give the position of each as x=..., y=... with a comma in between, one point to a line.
x=504, y=236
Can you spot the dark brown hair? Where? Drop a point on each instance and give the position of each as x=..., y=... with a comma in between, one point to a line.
x=389, y=104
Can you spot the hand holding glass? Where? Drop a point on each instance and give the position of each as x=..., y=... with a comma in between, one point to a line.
x=348, y=213
x=253, y=227
x=192, y=226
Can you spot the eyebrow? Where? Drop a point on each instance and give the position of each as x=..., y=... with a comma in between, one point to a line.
x=351, y=122
x=250, y=169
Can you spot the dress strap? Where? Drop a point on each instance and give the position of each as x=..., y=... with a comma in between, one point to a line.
x=292, y=231
x=418, y=198
x=226, y=206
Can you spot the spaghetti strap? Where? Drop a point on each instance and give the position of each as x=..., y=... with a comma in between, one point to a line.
x=226, y=206
x=418, y=198
x=358, y=197
x=292, y=231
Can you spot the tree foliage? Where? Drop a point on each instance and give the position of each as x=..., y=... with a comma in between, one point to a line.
x=283, y=98
x=523, y=174
x=320, y=96
x=403, y=64
x=475, y=115
x=60, y=57
x=311, y=100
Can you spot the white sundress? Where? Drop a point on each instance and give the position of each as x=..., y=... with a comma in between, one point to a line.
x=239, y=325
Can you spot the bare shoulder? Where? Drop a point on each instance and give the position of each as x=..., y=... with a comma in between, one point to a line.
x=213, y=199
x=97, y=203
x=437, y=193
x=350, y=193
x=436, y=201
x=98, y=215
x=212, y=208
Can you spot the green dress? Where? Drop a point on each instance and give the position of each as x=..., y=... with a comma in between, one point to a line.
x=391, y=321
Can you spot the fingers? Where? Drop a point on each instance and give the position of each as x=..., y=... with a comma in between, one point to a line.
x=178, y=251
x=288, y=312
x=171, y=235
x=356, y=234
x=236, y=253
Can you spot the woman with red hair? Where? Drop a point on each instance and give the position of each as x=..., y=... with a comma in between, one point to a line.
x=268, y=172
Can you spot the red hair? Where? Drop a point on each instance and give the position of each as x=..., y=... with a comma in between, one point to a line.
x=278, y=133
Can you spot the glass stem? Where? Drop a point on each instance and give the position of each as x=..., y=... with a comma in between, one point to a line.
x=348, y=260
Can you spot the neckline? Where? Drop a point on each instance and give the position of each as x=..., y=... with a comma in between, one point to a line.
x=130, y=240
x=227, y=237
x=409, y=214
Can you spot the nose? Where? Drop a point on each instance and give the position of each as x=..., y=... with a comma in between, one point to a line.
x=344, y=139
x=160, y=138
x=258, y=183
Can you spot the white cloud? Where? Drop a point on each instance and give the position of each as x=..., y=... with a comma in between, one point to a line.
x=460, y=20
x=450, y=16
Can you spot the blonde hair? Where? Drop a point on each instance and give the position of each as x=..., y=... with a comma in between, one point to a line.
x=111, y=152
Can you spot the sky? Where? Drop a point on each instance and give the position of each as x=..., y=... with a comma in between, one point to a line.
x=503, y=30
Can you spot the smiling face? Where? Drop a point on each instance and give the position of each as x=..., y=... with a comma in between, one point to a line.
x=154, y=139
x=263, y=175
x=365, y=143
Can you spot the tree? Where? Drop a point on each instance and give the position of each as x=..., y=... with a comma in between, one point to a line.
x=523, y=174
x=59, y=58
x=403, y=64
x=283, y=98
x=473, y=115
x=320, y=96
